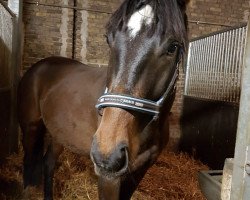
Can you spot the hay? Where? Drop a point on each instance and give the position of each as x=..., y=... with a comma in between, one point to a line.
x=172, y=177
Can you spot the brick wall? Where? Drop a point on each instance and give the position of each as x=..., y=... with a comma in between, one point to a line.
x=49, y=31
x=91, y=45
x=43, y=36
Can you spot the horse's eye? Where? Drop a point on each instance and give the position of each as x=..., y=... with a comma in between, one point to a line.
x=172, y=48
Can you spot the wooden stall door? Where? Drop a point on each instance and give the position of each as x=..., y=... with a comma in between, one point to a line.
x=8, y=130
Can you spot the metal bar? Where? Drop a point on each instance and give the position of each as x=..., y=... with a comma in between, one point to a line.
x=206, y=67
x=198, y=66
x=215, y=67
x=229, y=78
x=217, y=88
x=223, y=66
x=195, y=69
x=202, y=64
x=226, y=67
x=194, y=51
x=209, y=65
x=69, y=7
x=241, y=59
x=189, y=77
x=219, y=32
x=241, y=176
x=198, y=78
x=239, y=56
x=7, y=8
x=208, y=23
x=187, y=85
x=222, y=49
x=220, y=44
x=234, y=64
x=229, y=66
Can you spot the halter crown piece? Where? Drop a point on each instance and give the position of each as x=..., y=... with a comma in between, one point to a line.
x=128, y=102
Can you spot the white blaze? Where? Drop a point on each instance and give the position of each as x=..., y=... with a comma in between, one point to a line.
x=144, y=15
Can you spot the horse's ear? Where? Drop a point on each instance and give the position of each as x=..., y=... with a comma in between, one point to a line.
x=183, y=3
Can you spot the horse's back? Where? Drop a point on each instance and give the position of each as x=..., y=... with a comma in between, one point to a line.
x=62, y=93
x=48, y=72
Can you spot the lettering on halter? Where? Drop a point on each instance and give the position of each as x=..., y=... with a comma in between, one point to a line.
x=144, y=15
x=121, y=100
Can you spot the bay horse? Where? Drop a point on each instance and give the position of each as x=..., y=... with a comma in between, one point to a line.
x=58, y=97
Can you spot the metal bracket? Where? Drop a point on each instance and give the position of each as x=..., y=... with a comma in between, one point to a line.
x=247, y=165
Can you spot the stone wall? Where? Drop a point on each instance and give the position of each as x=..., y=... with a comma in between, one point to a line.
x=49, y=30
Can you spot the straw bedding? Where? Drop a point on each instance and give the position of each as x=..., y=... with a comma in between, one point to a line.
x=172, y=177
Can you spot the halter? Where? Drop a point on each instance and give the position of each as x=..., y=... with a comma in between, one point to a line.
x=128, y=102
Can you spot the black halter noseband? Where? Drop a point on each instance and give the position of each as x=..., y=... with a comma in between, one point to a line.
x=137, y=104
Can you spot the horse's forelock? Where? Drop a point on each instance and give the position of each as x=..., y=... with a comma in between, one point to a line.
x=169, y=15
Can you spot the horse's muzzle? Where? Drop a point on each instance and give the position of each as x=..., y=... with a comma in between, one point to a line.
x=113, y=165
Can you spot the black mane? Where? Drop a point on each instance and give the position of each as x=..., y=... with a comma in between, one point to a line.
x=169, y=15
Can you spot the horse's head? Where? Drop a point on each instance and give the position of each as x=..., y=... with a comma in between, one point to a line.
x=146, y=38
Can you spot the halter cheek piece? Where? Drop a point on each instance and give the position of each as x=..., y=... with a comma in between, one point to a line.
x=137, y=104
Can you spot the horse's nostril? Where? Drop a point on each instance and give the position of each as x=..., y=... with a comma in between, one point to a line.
x=118, y=159
x=116, y=162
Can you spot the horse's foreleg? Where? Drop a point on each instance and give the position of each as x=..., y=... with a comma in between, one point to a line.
x=120, y=189
x=108, y=189
x=123, y=188
x=50, y=159
x=138, y=170
x=131, y=182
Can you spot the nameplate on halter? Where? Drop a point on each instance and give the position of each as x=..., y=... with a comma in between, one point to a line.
x=121, y=100
x=128, y=102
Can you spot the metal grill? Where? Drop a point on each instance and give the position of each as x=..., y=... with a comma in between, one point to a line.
x=214, y=66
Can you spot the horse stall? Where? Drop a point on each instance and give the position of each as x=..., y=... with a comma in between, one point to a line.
x=174, y=175
x=10, y=55
x=214, y=98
